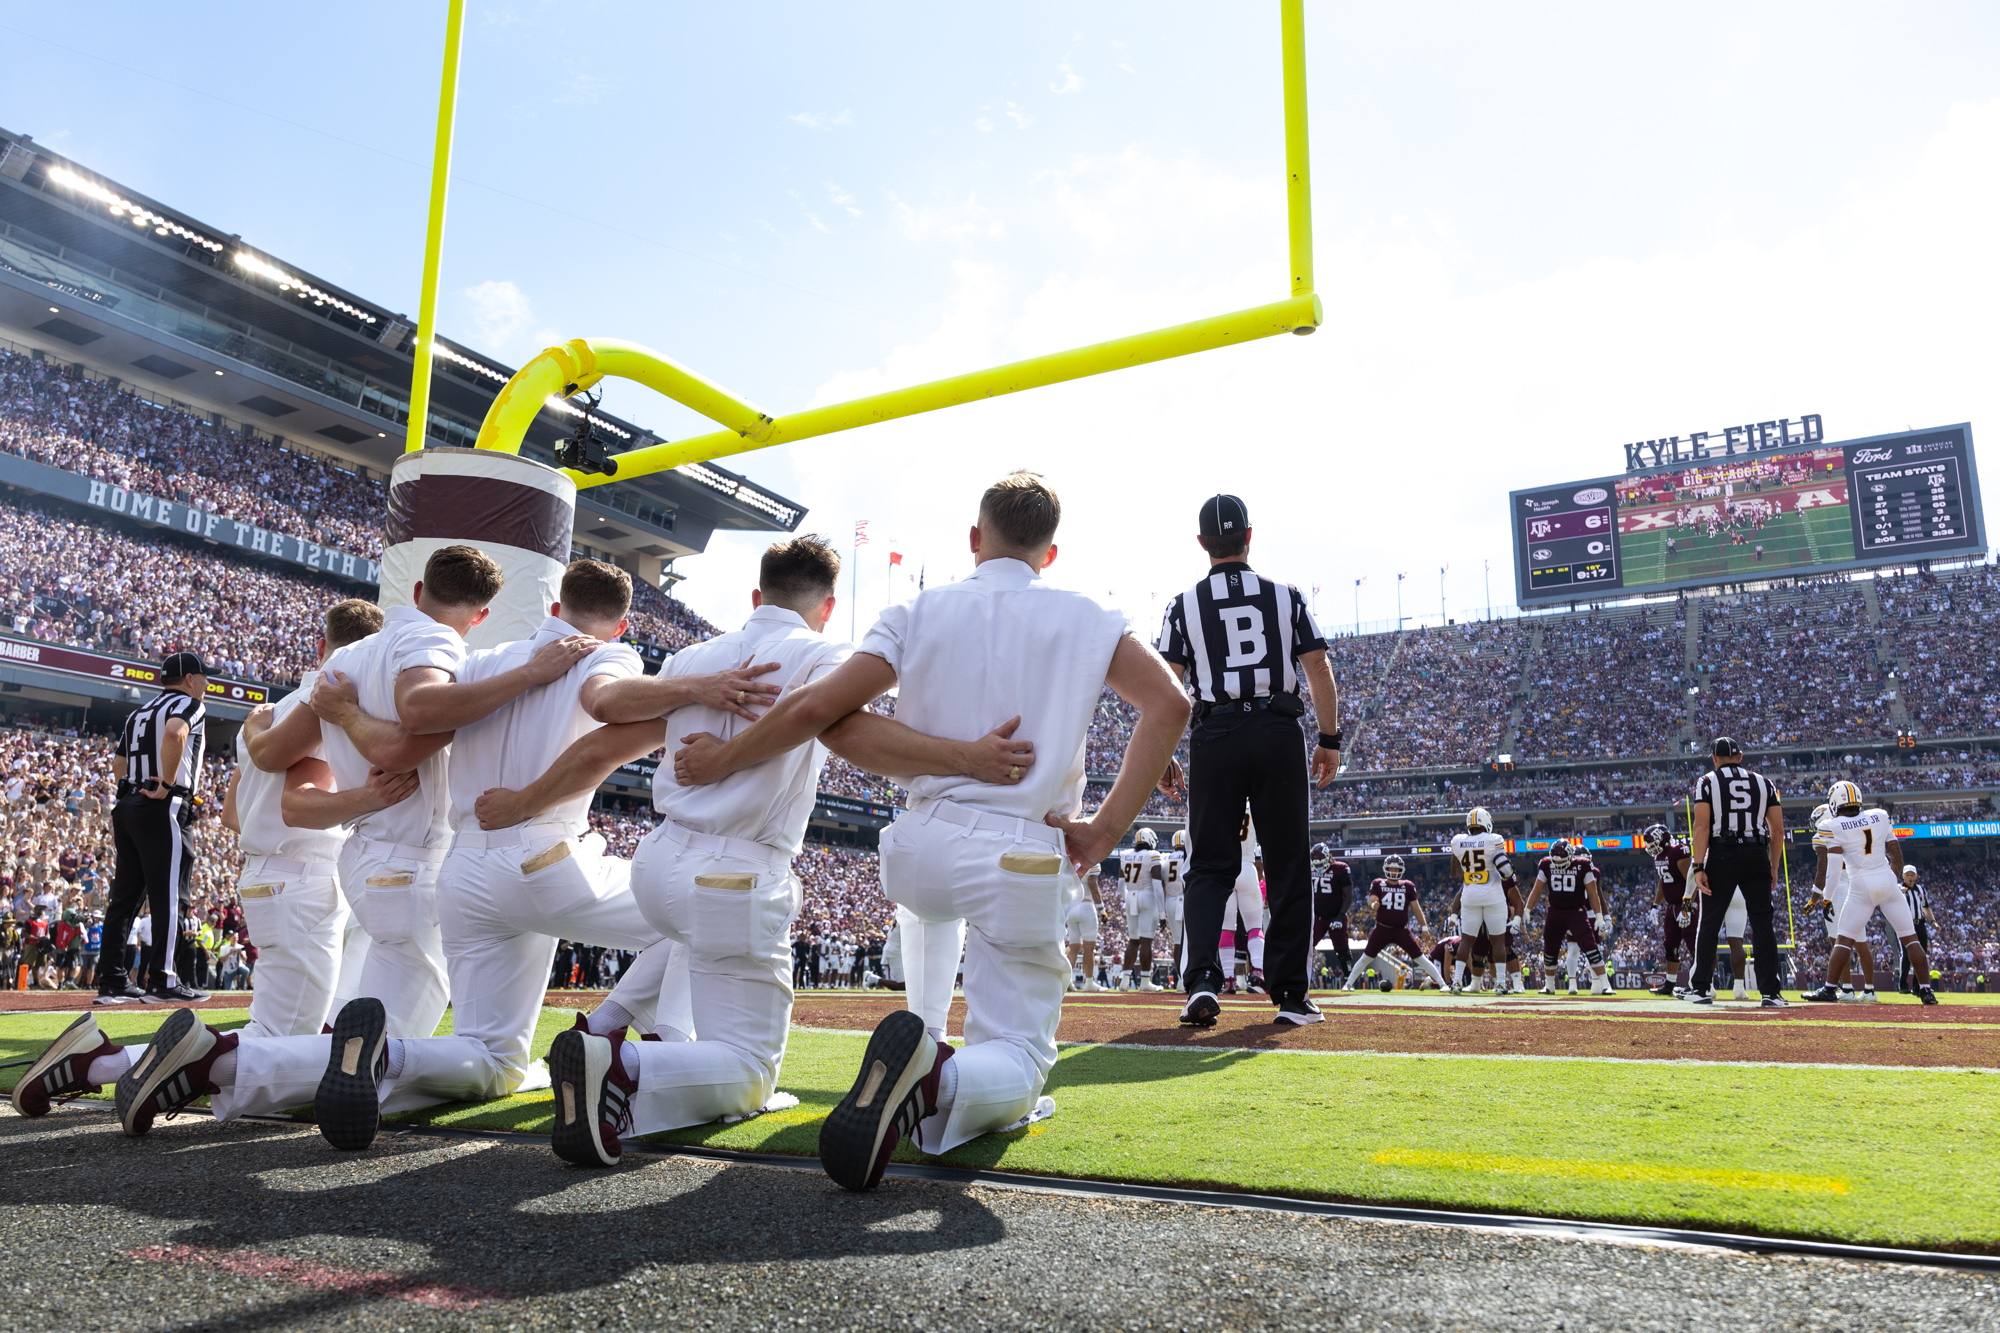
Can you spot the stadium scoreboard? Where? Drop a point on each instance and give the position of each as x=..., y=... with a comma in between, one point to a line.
x=1738, y=515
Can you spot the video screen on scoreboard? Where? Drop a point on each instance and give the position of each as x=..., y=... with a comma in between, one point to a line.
x=1883, y=500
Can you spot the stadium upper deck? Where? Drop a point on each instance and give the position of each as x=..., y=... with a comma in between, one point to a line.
x=181, y=311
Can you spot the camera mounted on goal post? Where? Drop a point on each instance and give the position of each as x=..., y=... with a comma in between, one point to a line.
x=584, y=451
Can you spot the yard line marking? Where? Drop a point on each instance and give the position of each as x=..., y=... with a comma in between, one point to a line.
x=1561, y=1059
x=1637, y=1172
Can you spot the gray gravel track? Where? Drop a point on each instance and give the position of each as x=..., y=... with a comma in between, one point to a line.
x=261, y=1226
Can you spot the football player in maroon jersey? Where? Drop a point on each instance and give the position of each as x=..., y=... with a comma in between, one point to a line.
x=1671, y=860
x=1479, y=952
x=1569, y=880
x=1332, y=885
x=1395, y=902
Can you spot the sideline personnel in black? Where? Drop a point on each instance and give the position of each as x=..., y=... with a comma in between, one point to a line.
x=1239, y=642
x=158, y=767
x=1739, y=833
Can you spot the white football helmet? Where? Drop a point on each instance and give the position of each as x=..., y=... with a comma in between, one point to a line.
x=1146, y=839
x=1819, y=813
x=1479, y=820
x=1392, y=867
x=1180, y=839
x=1843, y=794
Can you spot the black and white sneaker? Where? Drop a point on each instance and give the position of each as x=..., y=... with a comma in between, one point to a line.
x=1698, y=997
x=348, y=1104
x=62, y=1072
x=178, y=993
x=171, y=1072
x=1201, y=1010
x=1927, y=995
x=123, y=992
x=1775, y=1002
x=895, y=1090
x=1824, y=995
x=1298, y=1010
x=593, y=1098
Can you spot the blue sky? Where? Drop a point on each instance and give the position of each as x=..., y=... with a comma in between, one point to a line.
x=1541, y=230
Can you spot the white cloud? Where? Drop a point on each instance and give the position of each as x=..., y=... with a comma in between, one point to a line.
x=500, y=310
x=1071, y=81
x=957, y=223
x=579, y=87
x=840, y=198
x=820, y=120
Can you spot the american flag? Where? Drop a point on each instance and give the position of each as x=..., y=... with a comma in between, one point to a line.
x=860, y=532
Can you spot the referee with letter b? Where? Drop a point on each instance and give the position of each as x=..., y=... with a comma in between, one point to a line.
x=1738, y=836
x=158, y=767
x=1240, y=643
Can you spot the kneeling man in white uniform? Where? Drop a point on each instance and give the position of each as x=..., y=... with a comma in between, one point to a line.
x=716, y=874
x=997, y=644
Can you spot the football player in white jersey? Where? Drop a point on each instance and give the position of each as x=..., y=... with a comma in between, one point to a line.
x=1080, y=934
x=1867, y=842
x=1489, y=897
x=1829, y=901
x=1143, y=870
x=1246, y=901
x=1173, y=866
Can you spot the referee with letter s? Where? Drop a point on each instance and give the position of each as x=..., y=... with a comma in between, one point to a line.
x=1738, y=835
x=158, y=767
x=1241, y=642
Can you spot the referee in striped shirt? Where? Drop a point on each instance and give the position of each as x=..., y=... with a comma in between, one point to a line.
x=1240, y=643
x=158, y=767
x=1739, y=834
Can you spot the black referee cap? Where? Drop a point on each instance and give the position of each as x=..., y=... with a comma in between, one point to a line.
x=1224, y=516
x=181, y=665
x=1725, y=748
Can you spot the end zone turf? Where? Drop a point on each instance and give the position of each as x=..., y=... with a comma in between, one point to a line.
x=1708, y=1138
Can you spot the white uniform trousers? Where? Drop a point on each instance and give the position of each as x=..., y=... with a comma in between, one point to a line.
x=1867, y=890
x=930, y=955
x=296, y=917
x=275, y=1074
x=392, y=890
x=504, y=899
x=1245, y=900
x=353, y=957
x=728, y=905
x=1010, y=881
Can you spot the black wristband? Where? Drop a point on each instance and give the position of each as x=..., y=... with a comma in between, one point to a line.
x=1327, y=742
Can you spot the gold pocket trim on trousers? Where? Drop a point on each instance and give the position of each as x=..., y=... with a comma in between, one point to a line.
x=389, y=881
x=1031, y=863
x=543, y=860
x=740, y=883
x=259, y=890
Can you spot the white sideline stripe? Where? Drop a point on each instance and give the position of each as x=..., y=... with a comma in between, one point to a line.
x=1447, y=1055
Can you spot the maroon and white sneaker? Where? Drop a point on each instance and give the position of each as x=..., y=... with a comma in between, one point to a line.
x=896, y=1090
x=63, y=1071
x=171, y=1072
x=593, y=1098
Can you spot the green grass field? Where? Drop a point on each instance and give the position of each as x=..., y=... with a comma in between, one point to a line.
x=1790, y=540
x=1898, y=1158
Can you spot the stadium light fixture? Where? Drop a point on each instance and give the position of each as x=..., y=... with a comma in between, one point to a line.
x=289, y=283
x=119, y=206
x=580, y=363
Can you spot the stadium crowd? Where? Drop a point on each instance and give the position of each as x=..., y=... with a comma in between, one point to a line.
x=1608, y=686
x=1792, y=669
x=50, y=413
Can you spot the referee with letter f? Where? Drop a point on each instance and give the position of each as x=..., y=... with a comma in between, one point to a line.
x=1240, y=643
x=1739, y=834
x=158, y=767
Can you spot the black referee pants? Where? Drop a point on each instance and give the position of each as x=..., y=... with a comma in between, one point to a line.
x=1904, y=980
x=1258, y=759
x=1733, y=866
x=155, y=862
